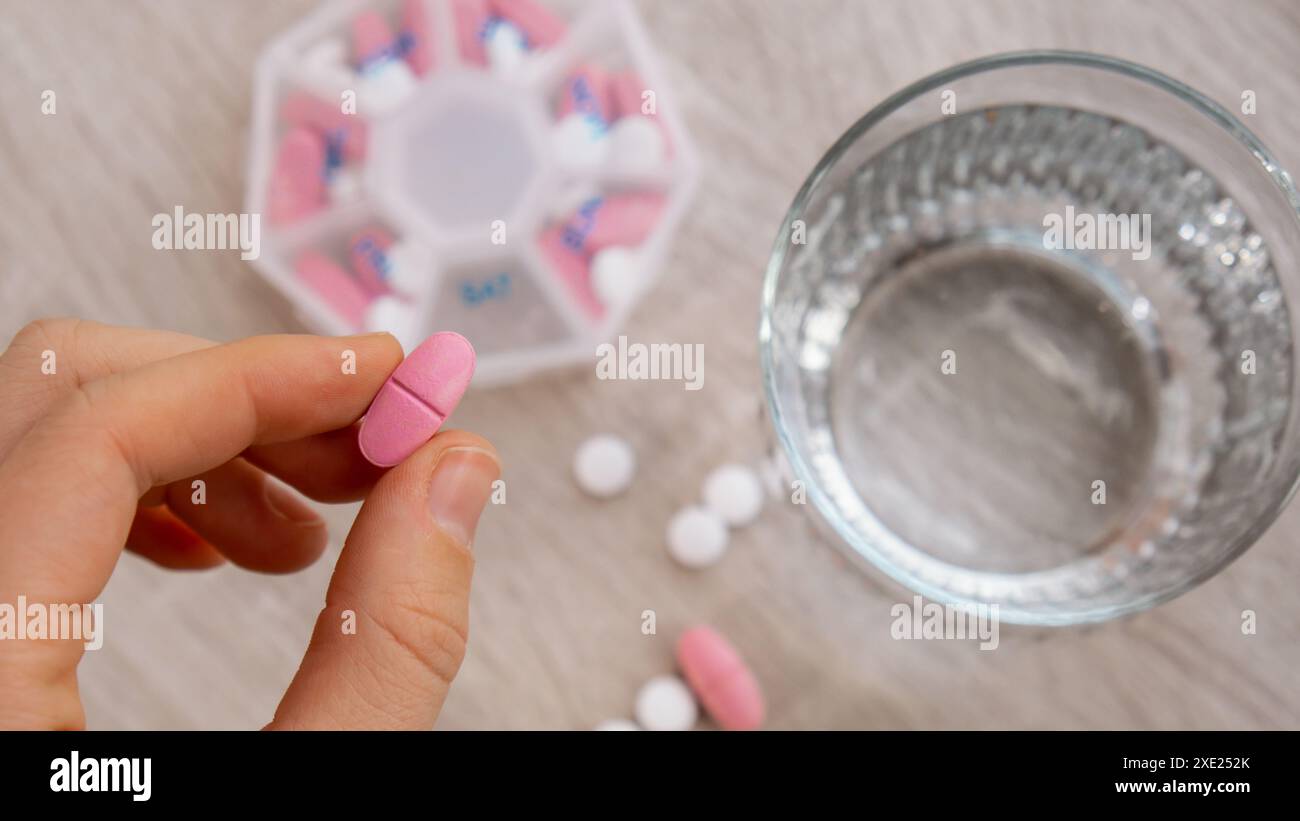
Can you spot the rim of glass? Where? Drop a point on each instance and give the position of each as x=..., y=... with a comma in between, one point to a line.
x=776, y=261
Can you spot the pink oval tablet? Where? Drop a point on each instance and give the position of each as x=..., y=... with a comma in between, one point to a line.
x=348, y=131
x=471, y=18
x=372, y=40
x=416, y=36
x=539, y=24
x=338, y=290
x=415, y=400
x=297, y=188
x=572, y=268
x=618, y=219
x=720, y=679
x=625, y=91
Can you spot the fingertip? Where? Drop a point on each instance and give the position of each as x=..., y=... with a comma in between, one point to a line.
x=415, y=480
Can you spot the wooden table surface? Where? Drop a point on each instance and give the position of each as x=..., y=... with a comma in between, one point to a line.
x=153, y=108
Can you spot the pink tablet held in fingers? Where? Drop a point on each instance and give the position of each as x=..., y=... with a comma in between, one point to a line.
x=415, y=400
x=720, y=679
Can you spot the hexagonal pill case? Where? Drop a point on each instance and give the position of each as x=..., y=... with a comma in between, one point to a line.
x=512, y=170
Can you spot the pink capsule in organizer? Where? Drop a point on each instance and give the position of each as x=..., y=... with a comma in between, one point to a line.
x=373, y=42
x=335, y=286
x=297, y=188
x=572, y=268
x=347, y=132
x=470, y=18
x=460, y=108
x=415, y=37
x=721, y=680
x=627, y=92
x=416, y=399
x=540, y=25
x=586, y=92
x=617, y=219
x=368, y=252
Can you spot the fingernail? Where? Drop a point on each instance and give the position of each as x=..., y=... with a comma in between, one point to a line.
x=287, y=505
x=460, y=489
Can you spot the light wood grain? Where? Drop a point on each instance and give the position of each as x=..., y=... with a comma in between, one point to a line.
x=153, y=108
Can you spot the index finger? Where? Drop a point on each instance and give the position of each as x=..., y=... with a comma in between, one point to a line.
x=68, y=489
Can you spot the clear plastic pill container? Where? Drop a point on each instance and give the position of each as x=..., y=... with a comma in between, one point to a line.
x=450, y=141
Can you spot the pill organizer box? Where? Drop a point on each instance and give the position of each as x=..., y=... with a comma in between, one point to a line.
x=465, y=171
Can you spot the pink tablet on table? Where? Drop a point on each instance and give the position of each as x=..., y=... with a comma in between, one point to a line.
x=720, y=678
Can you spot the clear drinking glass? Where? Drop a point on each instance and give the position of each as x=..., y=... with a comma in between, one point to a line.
x=993, y=414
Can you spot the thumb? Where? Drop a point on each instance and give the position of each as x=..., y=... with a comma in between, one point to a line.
x=392, y=634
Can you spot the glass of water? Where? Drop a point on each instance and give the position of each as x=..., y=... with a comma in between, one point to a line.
x=1027, y=337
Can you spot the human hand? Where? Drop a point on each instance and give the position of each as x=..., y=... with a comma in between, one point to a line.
x=101, y=454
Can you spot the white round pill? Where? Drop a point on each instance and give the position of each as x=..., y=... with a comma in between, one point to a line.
x=614, y=273
x=385, y=87
x=697, y=537
x=344, y=186
x=637, y=145
x=666, y=703
x=581, y=142
x=604, y=466
x=389, y=313
x=616, y=724
x=734, y=493
x=505, y=46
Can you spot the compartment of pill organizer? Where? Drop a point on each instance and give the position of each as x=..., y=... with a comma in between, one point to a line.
x=509, y=38
x=605, y=118
x=378, y=66
x=469, y=151
x=499, y=304
x=467, y=162
x=340, y=165
x=595, y=243
x=344, y=270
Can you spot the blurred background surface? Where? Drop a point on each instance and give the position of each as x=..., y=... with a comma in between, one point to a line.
x=153, y=111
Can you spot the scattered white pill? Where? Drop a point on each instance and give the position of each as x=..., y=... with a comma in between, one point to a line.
x=637, y=145
x=408, y=268
x=614, y=275
x=505, y=46
x=697, y=537
x=616, y=724
x=345, y=186
x=666, y=703
x=734, y=493
x=604, y=466
x=581, y=142
x=389, y=313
